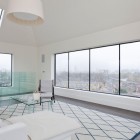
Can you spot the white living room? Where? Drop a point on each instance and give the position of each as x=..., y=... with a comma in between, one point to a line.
x=69, y=70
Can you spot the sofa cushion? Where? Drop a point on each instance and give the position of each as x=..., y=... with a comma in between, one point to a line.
x=4, y=123
x=0, y=123
x=16, y=131
x=47, y=125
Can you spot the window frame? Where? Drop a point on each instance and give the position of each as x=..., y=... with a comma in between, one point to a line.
x=119, y=68
x=1, y=16
x=11, y=69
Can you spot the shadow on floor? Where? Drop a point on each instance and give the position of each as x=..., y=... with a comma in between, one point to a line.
x=106, y=109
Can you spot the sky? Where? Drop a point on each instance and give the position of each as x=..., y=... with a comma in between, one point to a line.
x=105, y=58
x=5, y=61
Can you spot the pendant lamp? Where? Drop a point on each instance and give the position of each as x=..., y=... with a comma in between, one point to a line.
x=25, y=12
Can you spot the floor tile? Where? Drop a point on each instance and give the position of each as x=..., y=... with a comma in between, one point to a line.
x=97, y=132
x=114, y=123
x=82, y=131
x=115, y=134
x=135, y=129
x=100, y=122
x=91, y=125
x=107, y=118
x=101, y=138
x=74, y=137
x=129, y=124
x=106, y=127
x=85, y=120
x=84, y=137
x=122, y=129
x=95, y=117
x=128, y=135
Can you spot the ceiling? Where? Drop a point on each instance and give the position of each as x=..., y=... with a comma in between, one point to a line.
x=65, y=19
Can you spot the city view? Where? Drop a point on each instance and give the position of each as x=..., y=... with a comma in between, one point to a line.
x=102, y=82
x=5, y=78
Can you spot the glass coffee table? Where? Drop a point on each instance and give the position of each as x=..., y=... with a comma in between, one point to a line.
x=30, y=102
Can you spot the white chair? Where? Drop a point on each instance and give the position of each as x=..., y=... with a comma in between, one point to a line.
x=46, y=90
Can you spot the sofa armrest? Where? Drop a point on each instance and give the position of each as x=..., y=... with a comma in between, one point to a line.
x=17, y=131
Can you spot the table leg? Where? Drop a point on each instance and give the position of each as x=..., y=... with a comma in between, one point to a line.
x=30, y=108
x=50, y=103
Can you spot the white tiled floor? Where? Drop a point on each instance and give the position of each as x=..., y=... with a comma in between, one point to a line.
x=95, y=125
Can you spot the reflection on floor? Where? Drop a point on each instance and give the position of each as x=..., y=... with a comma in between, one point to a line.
x=95, y=125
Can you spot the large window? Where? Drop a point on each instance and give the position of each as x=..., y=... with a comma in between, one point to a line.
x=130, y=69
x=62, y=70
x=79, y=70
x=105, y=69
x=5, y=70
x=109, y=69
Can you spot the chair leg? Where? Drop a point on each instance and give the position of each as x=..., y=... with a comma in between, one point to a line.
x=40, y=100
x=54, y=99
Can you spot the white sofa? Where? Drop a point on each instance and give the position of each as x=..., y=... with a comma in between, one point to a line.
x=17, y=131
x=42, y=125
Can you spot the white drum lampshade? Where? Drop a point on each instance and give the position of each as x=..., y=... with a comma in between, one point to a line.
x=25, y=12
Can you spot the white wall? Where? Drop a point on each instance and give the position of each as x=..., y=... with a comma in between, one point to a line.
x=25, y=58
x=120, y=34
x=123, y=102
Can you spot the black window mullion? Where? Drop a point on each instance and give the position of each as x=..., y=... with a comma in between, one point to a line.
x=89, y=69
x=1, y=14
x=119, y=70
x=11, y=69
x=68, y=70
x=55, y=70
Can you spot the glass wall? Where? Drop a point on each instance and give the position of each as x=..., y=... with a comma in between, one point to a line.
x=109, y=69
x=79, y=70
x=62, y=70
x=130, y=69
x=5, y=70
x=105, y=69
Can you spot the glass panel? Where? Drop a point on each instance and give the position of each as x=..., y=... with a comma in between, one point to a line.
x=130, y=69
x=5, y=70
x=105, y=69
x=62, y=70
x=23, y=82
x=79, y=70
